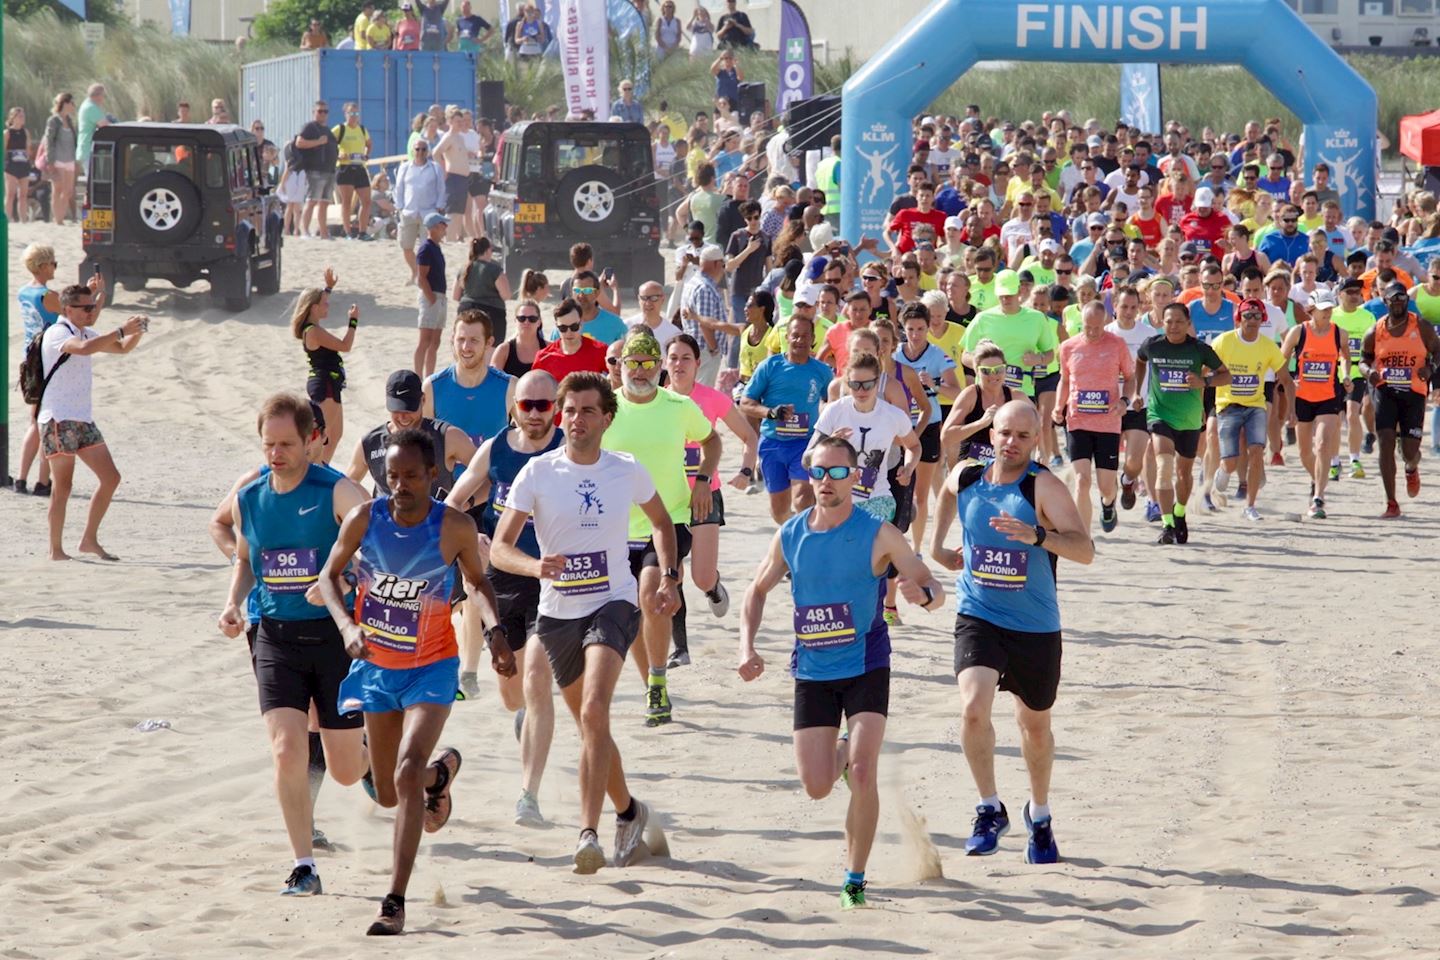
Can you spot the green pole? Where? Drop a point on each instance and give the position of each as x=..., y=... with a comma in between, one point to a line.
x=5, y=479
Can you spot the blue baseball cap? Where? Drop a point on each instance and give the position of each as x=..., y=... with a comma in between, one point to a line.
x=435, y=219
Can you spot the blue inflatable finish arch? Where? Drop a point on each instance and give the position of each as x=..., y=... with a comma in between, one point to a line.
x=1336, y=104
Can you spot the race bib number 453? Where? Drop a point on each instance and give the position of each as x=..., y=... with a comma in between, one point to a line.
x=584, y=574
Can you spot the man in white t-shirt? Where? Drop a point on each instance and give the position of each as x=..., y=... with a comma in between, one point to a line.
x=580, y=497
x=943, y=158
x=652, y=306
x=66, y=419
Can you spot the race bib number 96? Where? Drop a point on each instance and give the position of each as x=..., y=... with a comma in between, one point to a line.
x=289, y=571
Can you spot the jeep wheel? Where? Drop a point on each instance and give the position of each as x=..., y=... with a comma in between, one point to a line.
x=164, y=207
x=232, y=285
x=591, y=201
x=267, y=279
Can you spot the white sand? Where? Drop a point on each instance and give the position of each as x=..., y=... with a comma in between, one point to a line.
x=1247, y=760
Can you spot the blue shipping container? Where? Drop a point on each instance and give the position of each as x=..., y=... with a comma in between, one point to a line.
x=390, y=86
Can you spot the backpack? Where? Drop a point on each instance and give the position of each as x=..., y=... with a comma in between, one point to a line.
x=33, y=378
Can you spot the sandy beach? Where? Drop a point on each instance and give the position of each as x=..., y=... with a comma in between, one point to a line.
x=1245, y=729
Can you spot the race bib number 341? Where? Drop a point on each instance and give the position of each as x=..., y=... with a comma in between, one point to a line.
x=999, y=568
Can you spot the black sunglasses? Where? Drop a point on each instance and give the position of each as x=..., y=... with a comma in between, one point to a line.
x=567, y=327
x=527, y=317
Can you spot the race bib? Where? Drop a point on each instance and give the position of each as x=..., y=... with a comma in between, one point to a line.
x=865, y=486
x=1092, y=401
x=999, y=568
x=357, y=157
x=1317, y=371
x=289, y=571
x=1355, y=344
x=822, y=625
x=19, y=156
x=980, y=451
x=1244, y=384
x=500, y=500
x=795, y=425
x=1014, y=376
x=584, y=574
x=1173, y=379
x=1397, y=377
x=692, y=462
x=394, y=623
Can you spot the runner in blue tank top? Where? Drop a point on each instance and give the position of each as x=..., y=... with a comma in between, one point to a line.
x=487, y=480
x=222, y=533
x=287, y=521
x=837, y=557
x=1016, y=518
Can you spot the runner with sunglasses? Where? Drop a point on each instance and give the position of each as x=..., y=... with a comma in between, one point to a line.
x=872, y=428
x=517, y=355
x=589, y=614
x=488, y=480
x=571, y=351
x=1129, y=325
x=652, y=304
x=1397, y=358
x=1323, y=360
x=653, y=425
x=966, y=433
x=837, y=557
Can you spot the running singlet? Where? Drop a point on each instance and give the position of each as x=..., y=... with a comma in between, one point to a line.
x=1171, y=399
x=1004, y=582
x=581, y=512
x=373, y=444
x=402, y=599
x=35, y=317
x=505, y=464
x=1209, y=325
x=838, y=627
x=1398, y=357
x=1317, y=357
x=715, y=405
x=655, y=434
x=777, y=382
x=1354, y=324
x=980, y=445
x=252, y=601
x=325, y=363
x=478, y=410
x=934, y=361
x=290, y=536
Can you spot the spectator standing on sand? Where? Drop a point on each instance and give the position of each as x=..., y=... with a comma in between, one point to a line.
x=92, y=118
x=319, y=152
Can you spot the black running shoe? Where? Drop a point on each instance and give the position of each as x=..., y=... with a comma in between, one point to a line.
x=390, y=921
x=1109, y=519
x=1167, y=537
x=1127, y=494
x=1182, y=530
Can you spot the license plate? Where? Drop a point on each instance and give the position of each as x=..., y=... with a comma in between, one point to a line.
x=530, y=213
x=100, y=220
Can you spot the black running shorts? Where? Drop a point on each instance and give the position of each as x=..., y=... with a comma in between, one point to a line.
x=1028, y=663
x=1102, y=448
x=517, y=600
x=1187, y=442
x=1400, y=410
x=613, y=625
x=297, y=661
x=930, y=443
x=823, y=703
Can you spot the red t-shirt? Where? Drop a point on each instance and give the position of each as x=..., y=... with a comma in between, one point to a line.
x=905, y=222
x=991, y=231
x=556, y=362
x=1152, y=231
x=1208, y=233
x=1171, y=209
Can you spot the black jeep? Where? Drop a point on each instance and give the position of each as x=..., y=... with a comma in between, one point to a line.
x=562, y=183
x=180, y=202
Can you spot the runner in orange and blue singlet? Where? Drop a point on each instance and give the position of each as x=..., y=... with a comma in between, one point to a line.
x=404, y=674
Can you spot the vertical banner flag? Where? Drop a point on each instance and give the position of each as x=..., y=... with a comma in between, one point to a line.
x=180, y=17
x=797, y=66
x=584, y=38
x=1140, y=96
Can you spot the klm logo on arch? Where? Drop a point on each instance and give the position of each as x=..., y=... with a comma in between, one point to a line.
x=1336, y=105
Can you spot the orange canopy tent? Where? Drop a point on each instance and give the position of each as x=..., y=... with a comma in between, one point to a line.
x=1420, y=138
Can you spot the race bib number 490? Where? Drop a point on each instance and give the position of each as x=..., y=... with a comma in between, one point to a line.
x=289, y=571
x=584, y=574
x=999, y=568
x=1092, y=401
x=821, y=625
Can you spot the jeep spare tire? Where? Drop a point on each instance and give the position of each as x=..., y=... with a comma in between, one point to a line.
x=164, y=207
x=591, y=201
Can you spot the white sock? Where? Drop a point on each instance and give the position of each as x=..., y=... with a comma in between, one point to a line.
x=1222, y=478
x=1334, y=461
x=305, y=862
x=992, y=802
x=1353, y=458
x=1039, y=811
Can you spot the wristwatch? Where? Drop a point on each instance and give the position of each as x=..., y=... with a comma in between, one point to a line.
x=491, y=631
x=702, y=478
x=929, y=596
x=673, y=574
x=747, y=473
x=1040, y=534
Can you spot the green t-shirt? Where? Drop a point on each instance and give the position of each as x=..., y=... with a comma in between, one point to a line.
x=1355, y=325
x=1171, y=398
x=654, y=434
x=982, y=295
x=89, y=116
x=1025, y=331
x=1042, y=276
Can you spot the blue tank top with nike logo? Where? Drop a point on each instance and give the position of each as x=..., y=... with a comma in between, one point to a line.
x=290, y=536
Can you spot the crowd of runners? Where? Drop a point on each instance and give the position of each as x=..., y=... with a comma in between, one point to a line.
x=1055, y=316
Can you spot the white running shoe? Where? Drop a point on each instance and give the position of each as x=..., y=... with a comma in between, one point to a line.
x=1251, y=513
x=628, y=834
x=589, y=857
x=721, y=606
x=527, y=810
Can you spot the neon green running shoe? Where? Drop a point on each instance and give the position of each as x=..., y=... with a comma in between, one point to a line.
x=852, y=896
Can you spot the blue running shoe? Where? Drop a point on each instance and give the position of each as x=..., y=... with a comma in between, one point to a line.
x=302, y=882
x=990, y=826
x=1152, y=511
x=368, y=782
x=1042, y=847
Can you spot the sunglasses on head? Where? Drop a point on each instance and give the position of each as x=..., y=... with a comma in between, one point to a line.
x=567, y=327
x=647, y=364
x=584, y=291
x=834, y=473
x=990, y=369
x=862, y=384
x=535, y=406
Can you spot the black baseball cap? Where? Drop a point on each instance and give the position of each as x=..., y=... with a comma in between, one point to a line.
x=1351, y=284
x=1395, y=289
x=403, y=392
